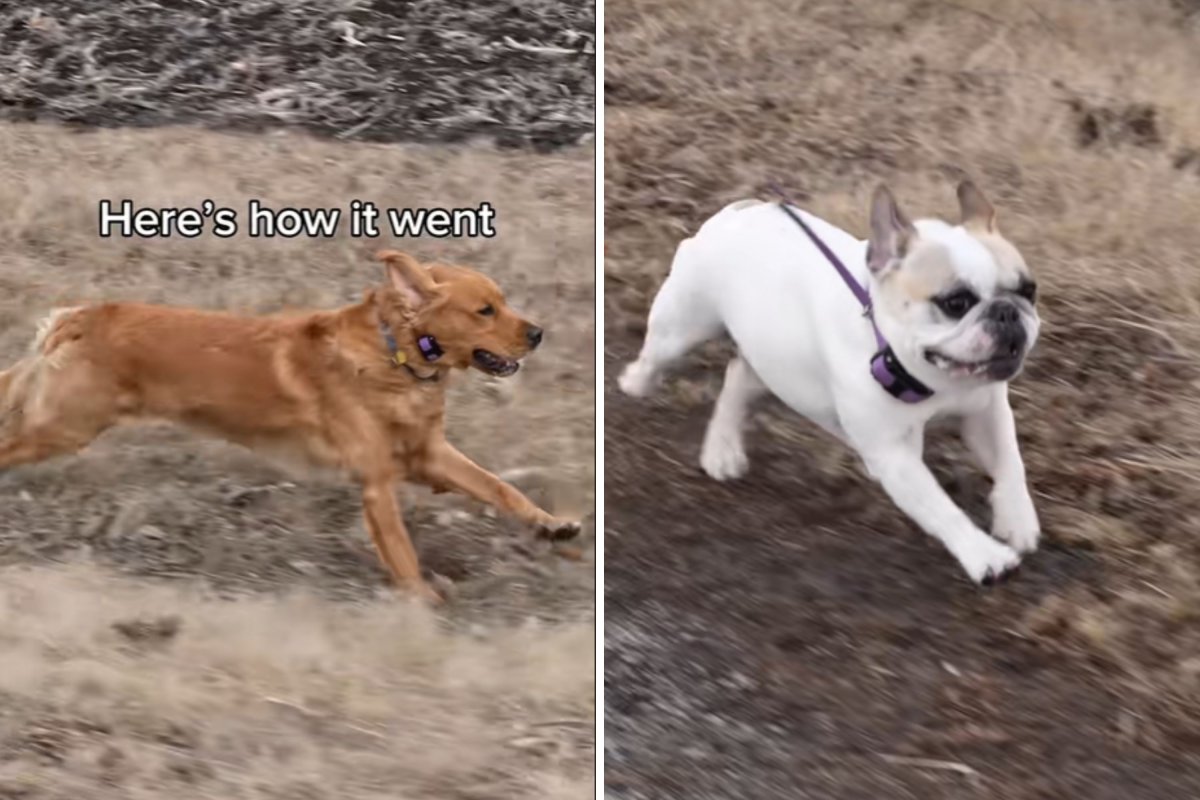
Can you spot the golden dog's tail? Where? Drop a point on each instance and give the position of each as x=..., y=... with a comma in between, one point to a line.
x=50, y=330
x=14, y=381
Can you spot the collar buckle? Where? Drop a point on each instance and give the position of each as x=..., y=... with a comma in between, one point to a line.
x=399, y=358
x=429, y=348
x=895, y=379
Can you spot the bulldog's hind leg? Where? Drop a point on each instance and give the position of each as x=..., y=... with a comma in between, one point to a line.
x=723, y=455
x=680, y=319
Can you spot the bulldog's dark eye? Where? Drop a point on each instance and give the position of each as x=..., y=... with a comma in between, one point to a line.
x=956, y=304
x=487, y=311
x=1028, y=290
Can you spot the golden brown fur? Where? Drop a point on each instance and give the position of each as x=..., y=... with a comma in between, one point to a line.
x=321, y=386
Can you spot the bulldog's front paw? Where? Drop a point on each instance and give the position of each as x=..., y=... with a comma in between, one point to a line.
x=558, y=530
x=1014, y=519
x=722, y=455
x=986, y=560
x=1020, y=538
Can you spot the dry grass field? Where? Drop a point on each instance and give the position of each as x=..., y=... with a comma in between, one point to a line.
x=792, y=635
x=180, y=618
x=116, y=688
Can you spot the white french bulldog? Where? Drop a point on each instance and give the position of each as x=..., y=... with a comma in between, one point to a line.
x=955, y=303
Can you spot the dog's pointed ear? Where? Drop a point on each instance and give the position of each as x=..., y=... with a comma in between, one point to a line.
x=891, y=232
x=976, y=211
x=406, y=275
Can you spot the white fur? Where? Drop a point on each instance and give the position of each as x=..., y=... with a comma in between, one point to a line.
x=801, y=335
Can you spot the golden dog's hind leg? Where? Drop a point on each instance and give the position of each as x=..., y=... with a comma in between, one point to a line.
x=25, y=439
x=50, y=414
x=39, y=444
x=386, y=526
x=447, y=468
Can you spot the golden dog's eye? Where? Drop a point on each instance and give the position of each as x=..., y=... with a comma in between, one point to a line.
x=487, y=310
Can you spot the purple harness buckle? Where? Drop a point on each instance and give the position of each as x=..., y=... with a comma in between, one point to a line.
x=885, y=367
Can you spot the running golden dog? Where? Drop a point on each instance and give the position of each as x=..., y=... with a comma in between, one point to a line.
x=360, y=388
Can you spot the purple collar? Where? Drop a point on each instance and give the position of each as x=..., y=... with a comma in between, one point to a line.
x=430, y=351
x=885, y=367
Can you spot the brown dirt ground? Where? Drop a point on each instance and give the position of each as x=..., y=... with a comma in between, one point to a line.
x=180, y=618
x=791, y=634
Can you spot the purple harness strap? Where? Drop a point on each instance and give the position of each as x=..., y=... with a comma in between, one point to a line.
x=885, y=367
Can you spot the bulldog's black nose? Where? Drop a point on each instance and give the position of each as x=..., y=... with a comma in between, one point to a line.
x=1004, y=324
x=1005, y=313
x=534, y=335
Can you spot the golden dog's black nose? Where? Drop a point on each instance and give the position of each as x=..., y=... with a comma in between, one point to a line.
x=534, y=335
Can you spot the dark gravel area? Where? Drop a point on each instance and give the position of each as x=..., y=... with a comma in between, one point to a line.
x=519, y=73
x=790, y=635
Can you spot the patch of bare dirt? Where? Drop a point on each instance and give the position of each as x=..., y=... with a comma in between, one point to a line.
x=793, y=635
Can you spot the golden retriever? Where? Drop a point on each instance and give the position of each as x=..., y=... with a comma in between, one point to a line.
x=360, y=388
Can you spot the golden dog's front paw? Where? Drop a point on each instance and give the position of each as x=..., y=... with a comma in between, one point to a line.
x=559, y=530
x=425, y=593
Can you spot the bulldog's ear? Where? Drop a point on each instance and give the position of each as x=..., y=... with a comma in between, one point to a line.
x=891, y=232
x=976, y=211
x=406, y=275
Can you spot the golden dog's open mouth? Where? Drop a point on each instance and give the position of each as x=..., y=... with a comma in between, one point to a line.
x=493, y=364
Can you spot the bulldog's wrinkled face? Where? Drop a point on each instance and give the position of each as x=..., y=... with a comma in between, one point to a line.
x=464, y=311
x=957, y=302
